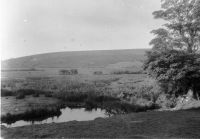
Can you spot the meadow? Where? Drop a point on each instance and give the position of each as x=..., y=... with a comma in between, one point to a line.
x=109, y=87
x=41, y=88
x=72, y=90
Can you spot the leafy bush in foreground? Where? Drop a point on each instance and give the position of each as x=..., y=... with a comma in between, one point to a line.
x=148, y=89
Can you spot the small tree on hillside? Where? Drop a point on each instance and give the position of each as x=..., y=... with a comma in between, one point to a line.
x=174, y=59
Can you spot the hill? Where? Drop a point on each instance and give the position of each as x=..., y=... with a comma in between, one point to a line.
x=100, y=58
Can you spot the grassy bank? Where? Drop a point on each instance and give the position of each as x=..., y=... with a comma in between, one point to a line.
x=70, y=98
x=39, y=112
x=177, y=124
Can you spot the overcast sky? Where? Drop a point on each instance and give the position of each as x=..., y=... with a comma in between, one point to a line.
x=40, y=26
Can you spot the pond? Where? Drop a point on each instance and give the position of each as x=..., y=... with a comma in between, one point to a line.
x=67, y=114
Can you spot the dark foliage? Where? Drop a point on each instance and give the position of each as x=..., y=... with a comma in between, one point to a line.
x=177, y=71
x=5, y=92
x=21, y=93
x=127, y=72
x=68, y=72
x=38, y=114
x=174, y=59
x=118, y=107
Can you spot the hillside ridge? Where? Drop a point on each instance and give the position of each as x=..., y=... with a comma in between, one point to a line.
x=95, y=58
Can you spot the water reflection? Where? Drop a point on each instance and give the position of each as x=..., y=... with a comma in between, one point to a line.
x=67, y=114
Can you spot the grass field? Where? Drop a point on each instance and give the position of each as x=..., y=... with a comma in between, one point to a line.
x=100, y=84
x=15, y=106
x=177, y=124
x=28, y=89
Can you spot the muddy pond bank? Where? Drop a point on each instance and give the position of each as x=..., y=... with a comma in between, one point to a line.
x=98, y=106
x=62, y=115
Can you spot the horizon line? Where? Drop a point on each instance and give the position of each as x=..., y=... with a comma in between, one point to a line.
x=90, y=50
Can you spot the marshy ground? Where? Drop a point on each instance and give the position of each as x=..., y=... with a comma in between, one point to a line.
x=31, y=93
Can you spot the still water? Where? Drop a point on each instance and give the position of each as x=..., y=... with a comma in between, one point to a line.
x=67, y=114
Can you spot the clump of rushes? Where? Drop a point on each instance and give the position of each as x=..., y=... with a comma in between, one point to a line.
x=5, y=93
x=38, y=114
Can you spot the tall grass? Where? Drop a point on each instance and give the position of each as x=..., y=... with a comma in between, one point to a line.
x=21, y=93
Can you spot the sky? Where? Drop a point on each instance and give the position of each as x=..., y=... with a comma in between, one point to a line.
x=29, y=27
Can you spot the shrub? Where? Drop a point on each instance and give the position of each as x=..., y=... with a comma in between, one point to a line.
x=97, y=72
x=68, y=72
x=26, y=91
x=126, y=72
x=21, y=93
x=74, y=71
x=119, y=107
x=148, y=89
x=166, y=101
x=48, y=94
x=36, y=95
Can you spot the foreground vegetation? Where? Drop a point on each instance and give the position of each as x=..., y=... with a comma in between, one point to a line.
x=177, y=124
x=90, y=101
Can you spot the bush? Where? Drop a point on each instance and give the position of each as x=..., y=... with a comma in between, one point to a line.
x=21, y=93
x=36, y=95
x=126, y=72
x=166, y=101
x=98, y=73
x=68, y=72
x=118, y=107
x=148, y=89
x=26, y=92
x=48, y=94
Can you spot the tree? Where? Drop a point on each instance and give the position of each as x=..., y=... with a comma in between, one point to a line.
x=182, y=30
x=174, y=59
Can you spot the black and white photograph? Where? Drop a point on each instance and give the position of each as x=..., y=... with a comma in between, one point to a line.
x=92, y=69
